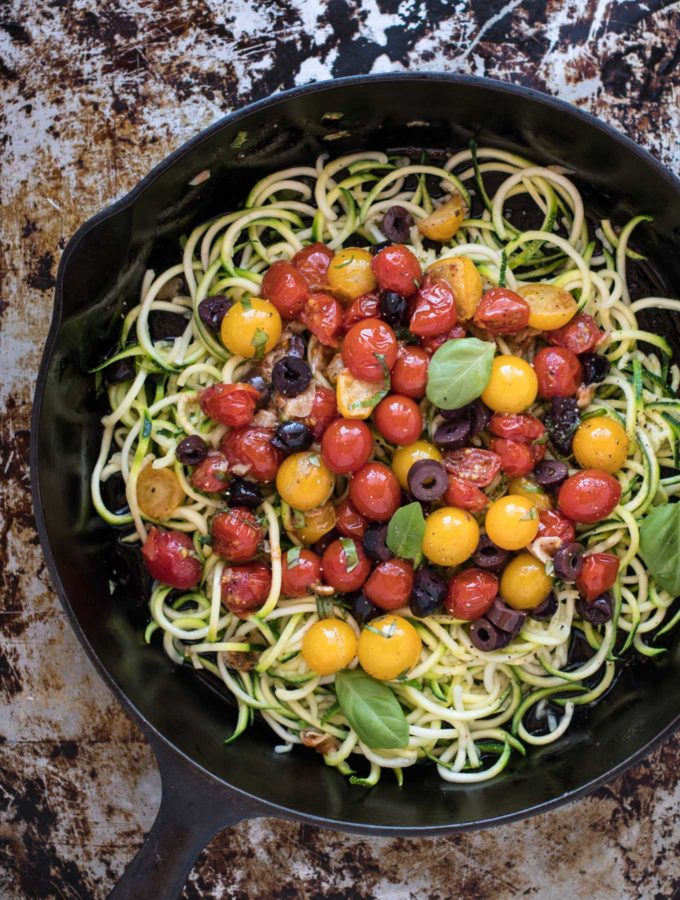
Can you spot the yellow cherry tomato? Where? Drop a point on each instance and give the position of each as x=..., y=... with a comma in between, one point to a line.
x=551, y=306
x=315, y=523
x=601, y=443
x=251, y=328
x=356, y=399
x=388, y=647
x=451, y=536
x=350, y=274
x=512, y=522
x=524, y=583
x=303, y=481
x=159, y=492
x=444, y=222
x=525, y=487
x=404, y=458
x=512, y=387
x=461, y=275
x=328, y=646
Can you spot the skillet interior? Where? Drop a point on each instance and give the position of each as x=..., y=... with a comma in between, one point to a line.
x=100, y=275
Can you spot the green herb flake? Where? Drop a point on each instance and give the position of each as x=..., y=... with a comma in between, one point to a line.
x=345, y=263
x=314, y=460
x=298, y=519
x=531, y=514
x=246, y=304
x=259, y=342
x=351, y=555
x=293, y=557
x=239, y=140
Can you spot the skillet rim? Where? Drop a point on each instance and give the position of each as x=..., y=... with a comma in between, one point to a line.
x=161, y=744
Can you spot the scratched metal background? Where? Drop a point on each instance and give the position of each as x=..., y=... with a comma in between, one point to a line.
x=94, y=94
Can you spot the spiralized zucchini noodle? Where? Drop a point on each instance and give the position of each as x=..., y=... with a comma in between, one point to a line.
x=468, y=711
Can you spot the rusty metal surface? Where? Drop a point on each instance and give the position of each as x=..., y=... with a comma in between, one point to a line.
x=93, y=96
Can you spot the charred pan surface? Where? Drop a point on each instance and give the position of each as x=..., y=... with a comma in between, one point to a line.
x=93, y=96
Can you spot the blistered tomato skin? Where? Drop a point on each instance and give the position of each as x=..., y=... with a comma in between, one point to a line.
x=349, y=521
x=328, y=646
x=211, y=474
x=250, y=453
x=512, y=387
x=502, y=311
x=303, y=481
x=405, y=457
x=169, y=557
x=598, y=573
x=229, y=404
x=236, y=534
x=465, y=495
x=251, y=329
x=473, y=464
x=323, y=315
x=600, y=443
x=589, y=496
x=516, y=457
x=346, y=445
x=554, y=524
x=471, y=593
x=312, y=263
x=389, y=647
x=350, y=274
x=398, y=419
x=517, y=427
x=512, y=522
x=375, y=492
x=431, y=344
x=365, y=307
x=317, y=523
x=324, y=411
x=342, y=570
x=581, y=335
x=451, y=536
x=245, y=588
x=435, y=309
x=524, y=582
x=397, y=269
x=527, y=487
x=300, y=574
x=370, y=350
x=285, y=287
x=409, y=373
x=551, y=307
x=390, y=584
x=558, y=371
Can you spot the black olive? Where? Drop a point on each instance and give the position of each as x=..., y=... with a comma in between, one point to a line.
x=376, y=248
x=393, y=308
x=164, y=325
x=476, y=413
x=429, y=591
x=427, y=480
x=546, y=609
x=562, y=422
x=453, y=435
x=292, y=437
x=505, y=617
x=550, y=473
x=362, y=608
x=121, y=370
x=598, y=612
x=192, y=450
x=324, y=542
x=568, y=561
x=487, y=637
x=375, y=542
x=212, y=310
x=291, y=376
x=397, y=223
x=255, y=378
x=244, y=493
x=595, y=367
x=113, y=493
x=489, y=556
x=296, y=346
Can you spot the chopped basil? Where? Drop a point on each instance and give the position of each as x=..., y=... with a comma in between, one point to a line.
x=246, y=304
x=259, y=342
x=351, y=555
x=293, y=557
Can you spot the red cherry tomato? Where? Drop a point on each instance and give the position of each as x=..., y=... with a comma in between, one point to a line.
x=245, y=588
x=502, y=311
x=236, y=534
x=300, y=569
x=323, y=317
x=537, y=451
x=390, y=584
x=409, y=373
x=581, y=335
x=589, y=495
x=230, y=404
x=398, y=419
x=348, y=521
x=375, y=492
x=471, y=464
x=285, y=287
x=517, y=427
x=559, y=372
x=598, y=573
x=312, y=262
x=365, y=307
x=516, y=458
x=345, y=565
x=465, y=495
x=397, y=269
x=324, y=411
x=210, y=475
x=346, y=445
x=169, y=557
x=370, y=350
x=554, y=524
x=431, y=344
x=435, y=309
x=250, y=453
x=471, y=593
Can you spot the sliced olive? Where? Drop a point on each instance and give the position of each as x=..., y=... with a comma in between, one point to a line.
x=291, y=376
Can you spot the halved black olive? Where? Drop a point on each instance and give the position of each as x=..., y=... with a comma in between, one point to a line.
x=427, y=480
x=397, y=224
x=291, y=376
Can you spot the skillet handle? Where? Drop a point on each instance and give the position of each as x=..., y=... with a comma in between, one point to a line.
x=193, y=809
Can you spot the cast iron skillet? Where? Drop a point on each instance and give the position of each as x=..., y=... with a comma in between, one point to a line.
x=207, y=786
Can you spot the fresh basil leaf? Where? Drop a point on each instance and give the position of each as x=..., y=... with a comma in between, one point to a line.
x=259, y=342
x=459, y=371
x=293, y=557
x=372, y=710
x=660, y=546
x=406, y=531
x=351, y=555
